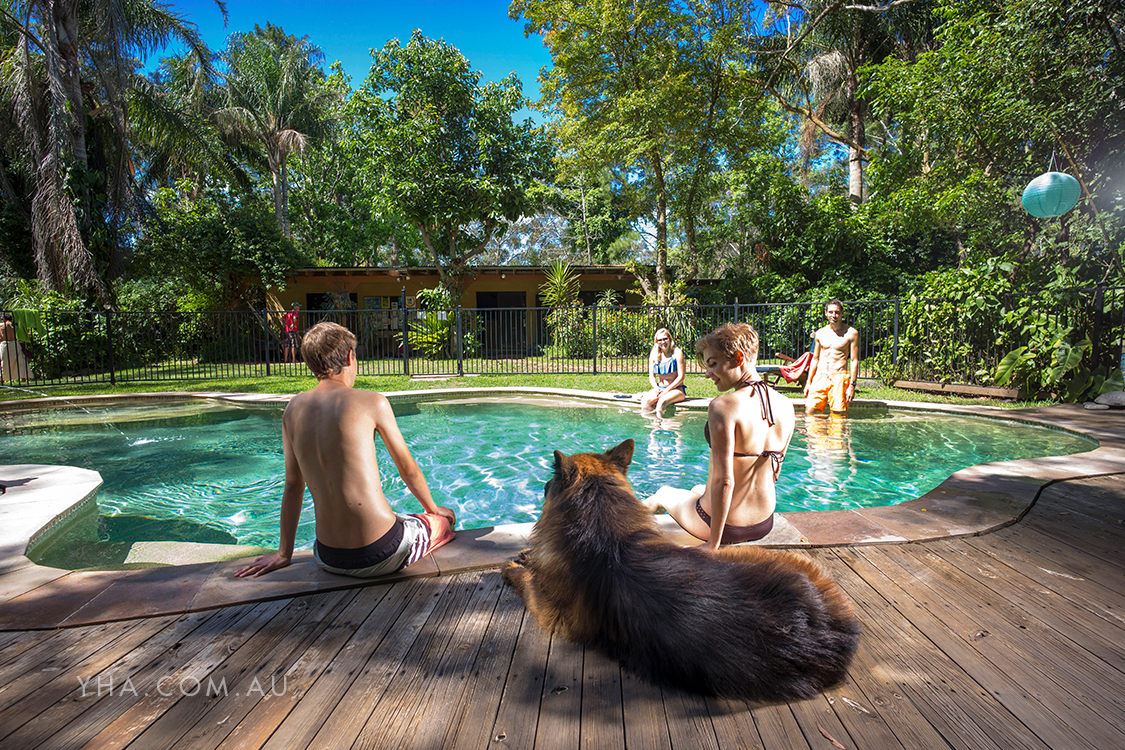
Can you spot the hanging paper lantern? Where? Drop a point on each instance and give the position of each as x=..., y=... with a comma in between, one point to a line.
x=1051, y=194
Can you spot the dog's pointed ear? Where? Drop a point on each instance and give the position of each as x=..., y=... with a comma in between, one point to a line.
x=622, y=455
x=564, y=467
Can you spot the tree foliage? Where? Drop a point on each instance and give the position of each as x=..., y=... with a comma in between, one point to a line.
x=443, y=151
x=67, y=97
x=277, y=97
x=223, y=251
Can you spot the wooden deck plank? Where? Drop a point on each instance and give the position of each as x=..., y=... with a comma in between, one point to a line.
x=560, y=708
x=397, y=707
x=517, y=716
x=1089, y=595
x=1053, y=610
x=642, y=708
x=689, y=721
x=118, y=719
x=819, y=722
x=779, y=729
x=472, y=727
x=250, y=717
x=246, y=674
x=38, y=689
x=311, y=677
x=953, y=704
x=1014, y=682
x=342, y=722
x=734, y=725
x=603, y=723
x=1020, y=633
x=14, y=643
x=1070, y=561
x=444, y=689
x=53, y=706
x=217, y=631
x=296, y=716
x=38, y=665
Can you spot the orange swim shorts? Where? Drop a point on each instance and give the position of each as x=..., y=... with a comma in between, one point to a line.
x=829, y=390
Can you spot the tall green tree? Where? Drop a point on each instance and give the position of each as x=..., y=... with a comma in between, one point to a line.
x=70, y=77
x=277, y=97
x=1011, y=88
x=643, y=88
x=444, y=152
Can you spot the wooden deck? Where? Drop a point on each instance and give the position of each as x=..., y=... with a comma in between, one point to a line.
x=1014, y=639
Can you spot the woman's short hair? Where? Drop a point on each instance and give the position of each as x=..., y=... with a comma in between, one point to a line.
x=728, y=339
x=325, y=349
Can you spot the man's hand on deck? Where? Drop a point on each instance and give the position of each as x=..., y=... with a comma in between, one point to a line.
x=263, y=564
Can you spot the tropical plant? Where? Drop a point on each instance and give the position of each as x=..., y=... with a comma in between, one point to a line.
x=68, y=96
x=277, y=97
x=560, y=287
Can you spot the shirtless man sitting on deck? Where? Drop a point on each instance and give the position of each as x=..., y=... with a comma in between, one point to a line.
x=835, y=363
x=328, y=437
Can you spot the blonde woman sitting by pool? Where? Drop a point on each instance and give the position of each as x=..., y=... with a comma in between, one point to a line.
x=665, y=374
x=748, y=430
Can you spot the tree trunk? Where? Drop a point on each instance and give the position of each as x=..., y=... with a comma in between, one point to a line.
x=856, y=186
x=585, y=222
x=661, y=219
x=65, y=28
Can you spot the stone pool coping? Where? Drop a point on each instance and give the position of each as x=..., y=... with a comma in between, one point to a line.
x=193, y=577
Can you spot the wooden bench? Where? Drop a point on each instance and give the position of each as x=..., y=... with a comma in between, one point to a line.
x=991, y=391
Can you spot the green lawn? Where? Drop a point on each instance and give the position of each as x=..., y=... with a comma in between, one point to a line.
x=697, y=386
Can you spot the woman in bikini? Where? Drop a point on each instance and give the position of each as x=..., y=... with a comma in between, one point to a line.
x=665, y=374
x=748, y=430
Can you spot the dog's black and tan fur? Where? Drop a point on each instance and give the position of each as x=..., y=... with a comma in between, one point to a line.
x=747, y=622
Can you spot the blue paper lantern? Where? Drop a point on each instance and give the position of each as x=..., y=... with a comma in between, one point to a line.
x=1051, y=194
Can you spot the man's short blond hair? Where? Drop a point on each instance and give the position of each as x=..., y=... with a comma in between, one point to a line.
x=325, y=349
x=728, y=339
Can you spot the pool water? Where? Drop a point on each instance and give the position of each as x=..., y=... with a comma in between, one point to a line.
x=211, y=472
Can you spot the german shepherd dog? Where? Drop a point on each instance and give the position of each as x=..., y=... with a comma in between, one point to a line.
x=746, y=622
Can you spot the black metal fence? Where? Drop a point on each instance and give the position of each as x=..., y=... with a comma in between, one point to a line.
x=952, y=341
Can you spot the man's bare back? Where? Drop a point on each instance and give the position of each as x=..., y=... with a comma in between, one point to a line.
x=331, y=432
x=328, y=435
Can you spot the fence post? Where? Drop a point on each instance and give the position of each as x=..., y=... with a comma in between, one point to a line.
x=594, y=330
x=736, y=310
x=1099, y=301
x=109, y=339
x=405, y=341
x=894, y=352
x=460, y=346
x=266, y=339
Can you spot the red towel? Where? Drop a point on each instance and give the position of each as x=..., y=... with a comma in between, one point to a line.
x=798, y=367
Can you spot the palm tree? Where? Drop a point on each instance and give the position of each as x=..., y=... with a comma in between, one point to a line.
x=835, y=41
x=70, y=75
x=276, y=96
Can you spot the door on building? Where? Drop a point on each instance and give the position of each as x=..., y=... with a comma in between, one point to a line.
x=502, y=318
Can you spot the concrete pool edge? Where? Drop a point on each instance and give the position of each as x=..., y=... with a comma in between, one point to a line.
x=972, y=501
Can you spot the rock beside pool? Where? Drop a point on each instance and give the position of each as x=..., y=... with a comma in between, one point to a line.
x=1093, y=406
x=1113, y=398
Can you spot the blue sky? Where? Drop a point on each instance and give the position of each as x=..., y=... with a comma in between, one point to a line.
x=346, y=30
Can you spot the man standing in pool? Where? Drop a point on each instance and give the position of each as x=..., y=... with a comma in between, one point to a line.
x=835, y=363
x=328, y=437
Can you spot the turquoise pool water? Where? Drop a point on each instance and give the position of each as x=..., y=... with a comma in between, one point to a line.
x=211, y=472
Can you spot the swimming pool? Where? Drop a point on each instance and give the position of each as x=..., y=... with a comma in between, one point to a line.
x=213, y=471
